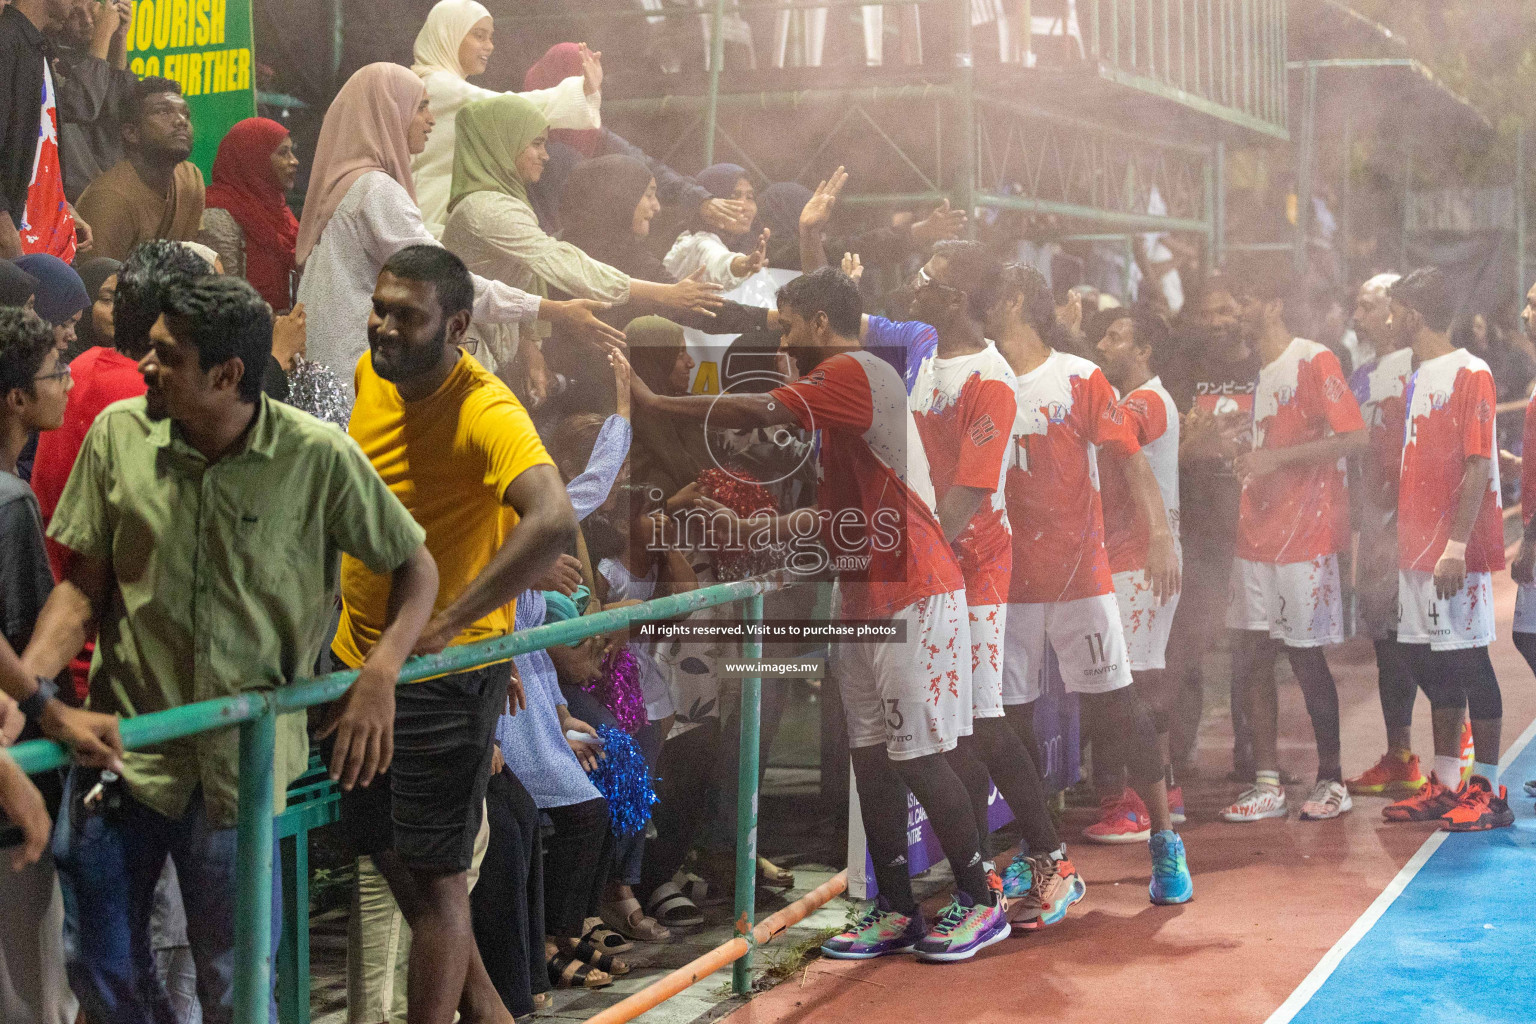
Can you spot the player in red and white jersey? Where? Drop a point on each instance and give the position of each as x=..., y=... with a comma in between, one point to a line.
x=1126, y=353
x=1062, y=594
x=963, y=401
x=908, y=703
x=1293, y=520
x=1521, y=570
x=1450, y=541
x=1379, y=386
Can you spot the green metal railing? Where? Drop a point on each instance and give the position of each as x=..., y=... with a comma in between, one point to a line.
x=255, y=714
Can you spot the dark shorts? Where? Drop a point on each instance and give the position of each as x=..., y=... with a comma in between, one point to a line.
x=426, y=808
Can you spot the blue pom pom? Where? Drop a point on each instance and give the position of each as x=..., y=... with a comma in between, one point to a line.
x=625, y=781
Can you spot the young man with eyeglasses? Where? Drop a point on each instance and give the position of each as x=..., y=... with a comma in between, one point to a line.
x=33, y=385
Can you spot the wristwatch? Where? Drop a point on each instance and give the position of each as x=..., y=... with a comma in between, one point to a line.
x=33, y=705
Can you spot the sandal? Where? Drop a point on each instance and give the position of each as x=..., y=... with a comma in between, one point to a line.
x=605, y=938
x=566, y=971
x=672, y=909
x=590, y=954
x=628, y=919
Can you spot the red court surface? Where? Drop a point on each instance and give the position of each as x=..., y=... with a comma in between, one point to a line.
x=1270, y=898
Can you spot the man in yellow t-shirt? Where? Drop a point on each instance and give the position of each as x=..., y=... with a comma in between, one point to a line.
x=460, y=452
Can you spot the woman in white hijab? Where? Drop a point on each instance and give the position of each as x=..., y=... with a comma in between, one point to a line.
x=454, y=44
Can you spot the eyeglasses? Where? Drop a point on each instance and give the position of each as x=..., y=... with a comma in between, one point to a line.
x=924, y=279
x=62, y=373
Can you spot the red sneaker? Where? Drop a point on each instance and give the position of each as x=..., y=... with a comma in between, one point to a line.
x=1393, y=775
x=1479, y=808
x=1429, y=804
x=1122, y=819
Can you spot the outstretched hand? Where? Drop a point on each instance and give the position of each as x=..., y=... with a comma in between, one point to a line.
x=851, y=265
x=580, y=317
x=750, y=263
x=818, y=209
x=942, y=224
x=591, y=69
x=693, y=294
x=726, y=216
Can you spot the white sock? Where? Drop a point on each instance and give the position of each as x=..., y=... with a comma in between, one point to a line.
x=1489, y=772
x=1449, y=770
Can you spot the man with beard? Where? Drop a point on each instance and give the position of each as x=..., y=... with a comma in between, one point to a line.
x=1379, y=386
x=455, y=445
x=154, y=191
x=1213, y=387
x=908, y=701
x=206, y=525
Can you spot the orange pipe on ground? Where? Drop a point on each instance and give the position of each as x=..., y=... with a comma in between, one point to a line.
x=690, y=974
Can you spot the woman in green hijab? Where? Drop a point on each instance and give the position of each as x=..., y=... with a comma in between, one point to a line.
x=498, y=152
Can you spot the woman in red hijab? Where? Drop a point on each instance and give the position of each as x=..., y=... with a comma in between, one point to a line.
x=246, y=217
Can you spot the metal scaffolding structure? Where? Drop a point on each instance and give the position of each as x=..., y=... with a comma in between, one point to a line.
x=1064, y=137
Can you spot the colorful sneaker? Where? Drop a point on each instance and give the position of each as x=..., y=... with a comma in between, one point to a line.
x=1122, y=819
x=1256, y=804
x=1176, y=805
x=1428, y=804
x=880, y=932
x=1019, y=878
x=1479, y=808
x=1329, y=799
x=1170, y=872
x=965, y=928
x=1393, y=775
x=1057, y=887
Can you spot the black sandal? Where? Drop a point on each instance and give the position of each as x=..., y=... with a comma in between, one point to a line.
x=566, y=971
x=586, y=952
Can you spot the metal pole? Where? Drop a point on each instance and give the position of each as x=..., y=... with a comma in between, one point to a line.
x=965, y=99
x=1219, y=253
x=1304, y=171
x=1344, y=225
x=253, y=872
x=1521, y=281
x=746, y=797
x=716, y=58
x=336, y=43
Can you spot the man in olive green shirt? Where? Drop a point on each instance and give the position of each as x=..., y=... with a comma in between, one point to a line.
x=208, y=524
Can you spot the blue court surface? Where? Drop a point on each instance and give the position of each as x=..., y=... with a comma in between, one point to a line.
x=1456, y=945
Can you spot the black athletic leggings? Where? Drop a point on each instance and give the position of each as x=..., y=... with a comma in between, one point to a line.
x=1395, y=682
x=995, y=753
x=882, y=786
x=1451, y=678
x=1253, y=658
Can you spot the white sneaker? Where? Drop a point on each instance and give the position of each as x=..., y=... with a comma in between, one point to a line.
x=1530, y=788
x=1328, y=800
x=1256, y=804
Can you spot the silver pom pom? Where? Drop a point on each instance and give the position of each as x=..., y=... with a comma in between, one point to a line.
x=315, y=389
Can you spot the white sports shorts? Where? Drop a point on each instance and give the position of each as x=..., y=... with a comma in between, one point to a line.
x=1463, y=621
x=915, y=696
x=1087, y=637
x=1299, y=603
x=1147, y=623
x=987, y=643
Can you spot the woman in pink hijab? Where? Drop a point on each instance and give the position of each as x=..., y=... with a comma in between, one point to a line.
x=361, y=209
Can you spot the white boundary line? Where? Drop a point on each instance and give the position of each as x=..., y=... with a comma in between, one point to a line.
x=1357, y=931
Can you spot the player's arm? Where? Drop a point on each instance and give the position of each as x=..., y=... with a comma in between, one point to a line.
x=741, y=412
x=1263, y=461
x=67, y=621
x=1451, y=569
x=957, y=508
x=1162, y=558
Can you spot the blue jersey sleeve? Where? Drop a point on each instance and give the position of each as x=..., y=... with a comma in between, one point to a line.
x=902, y=343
